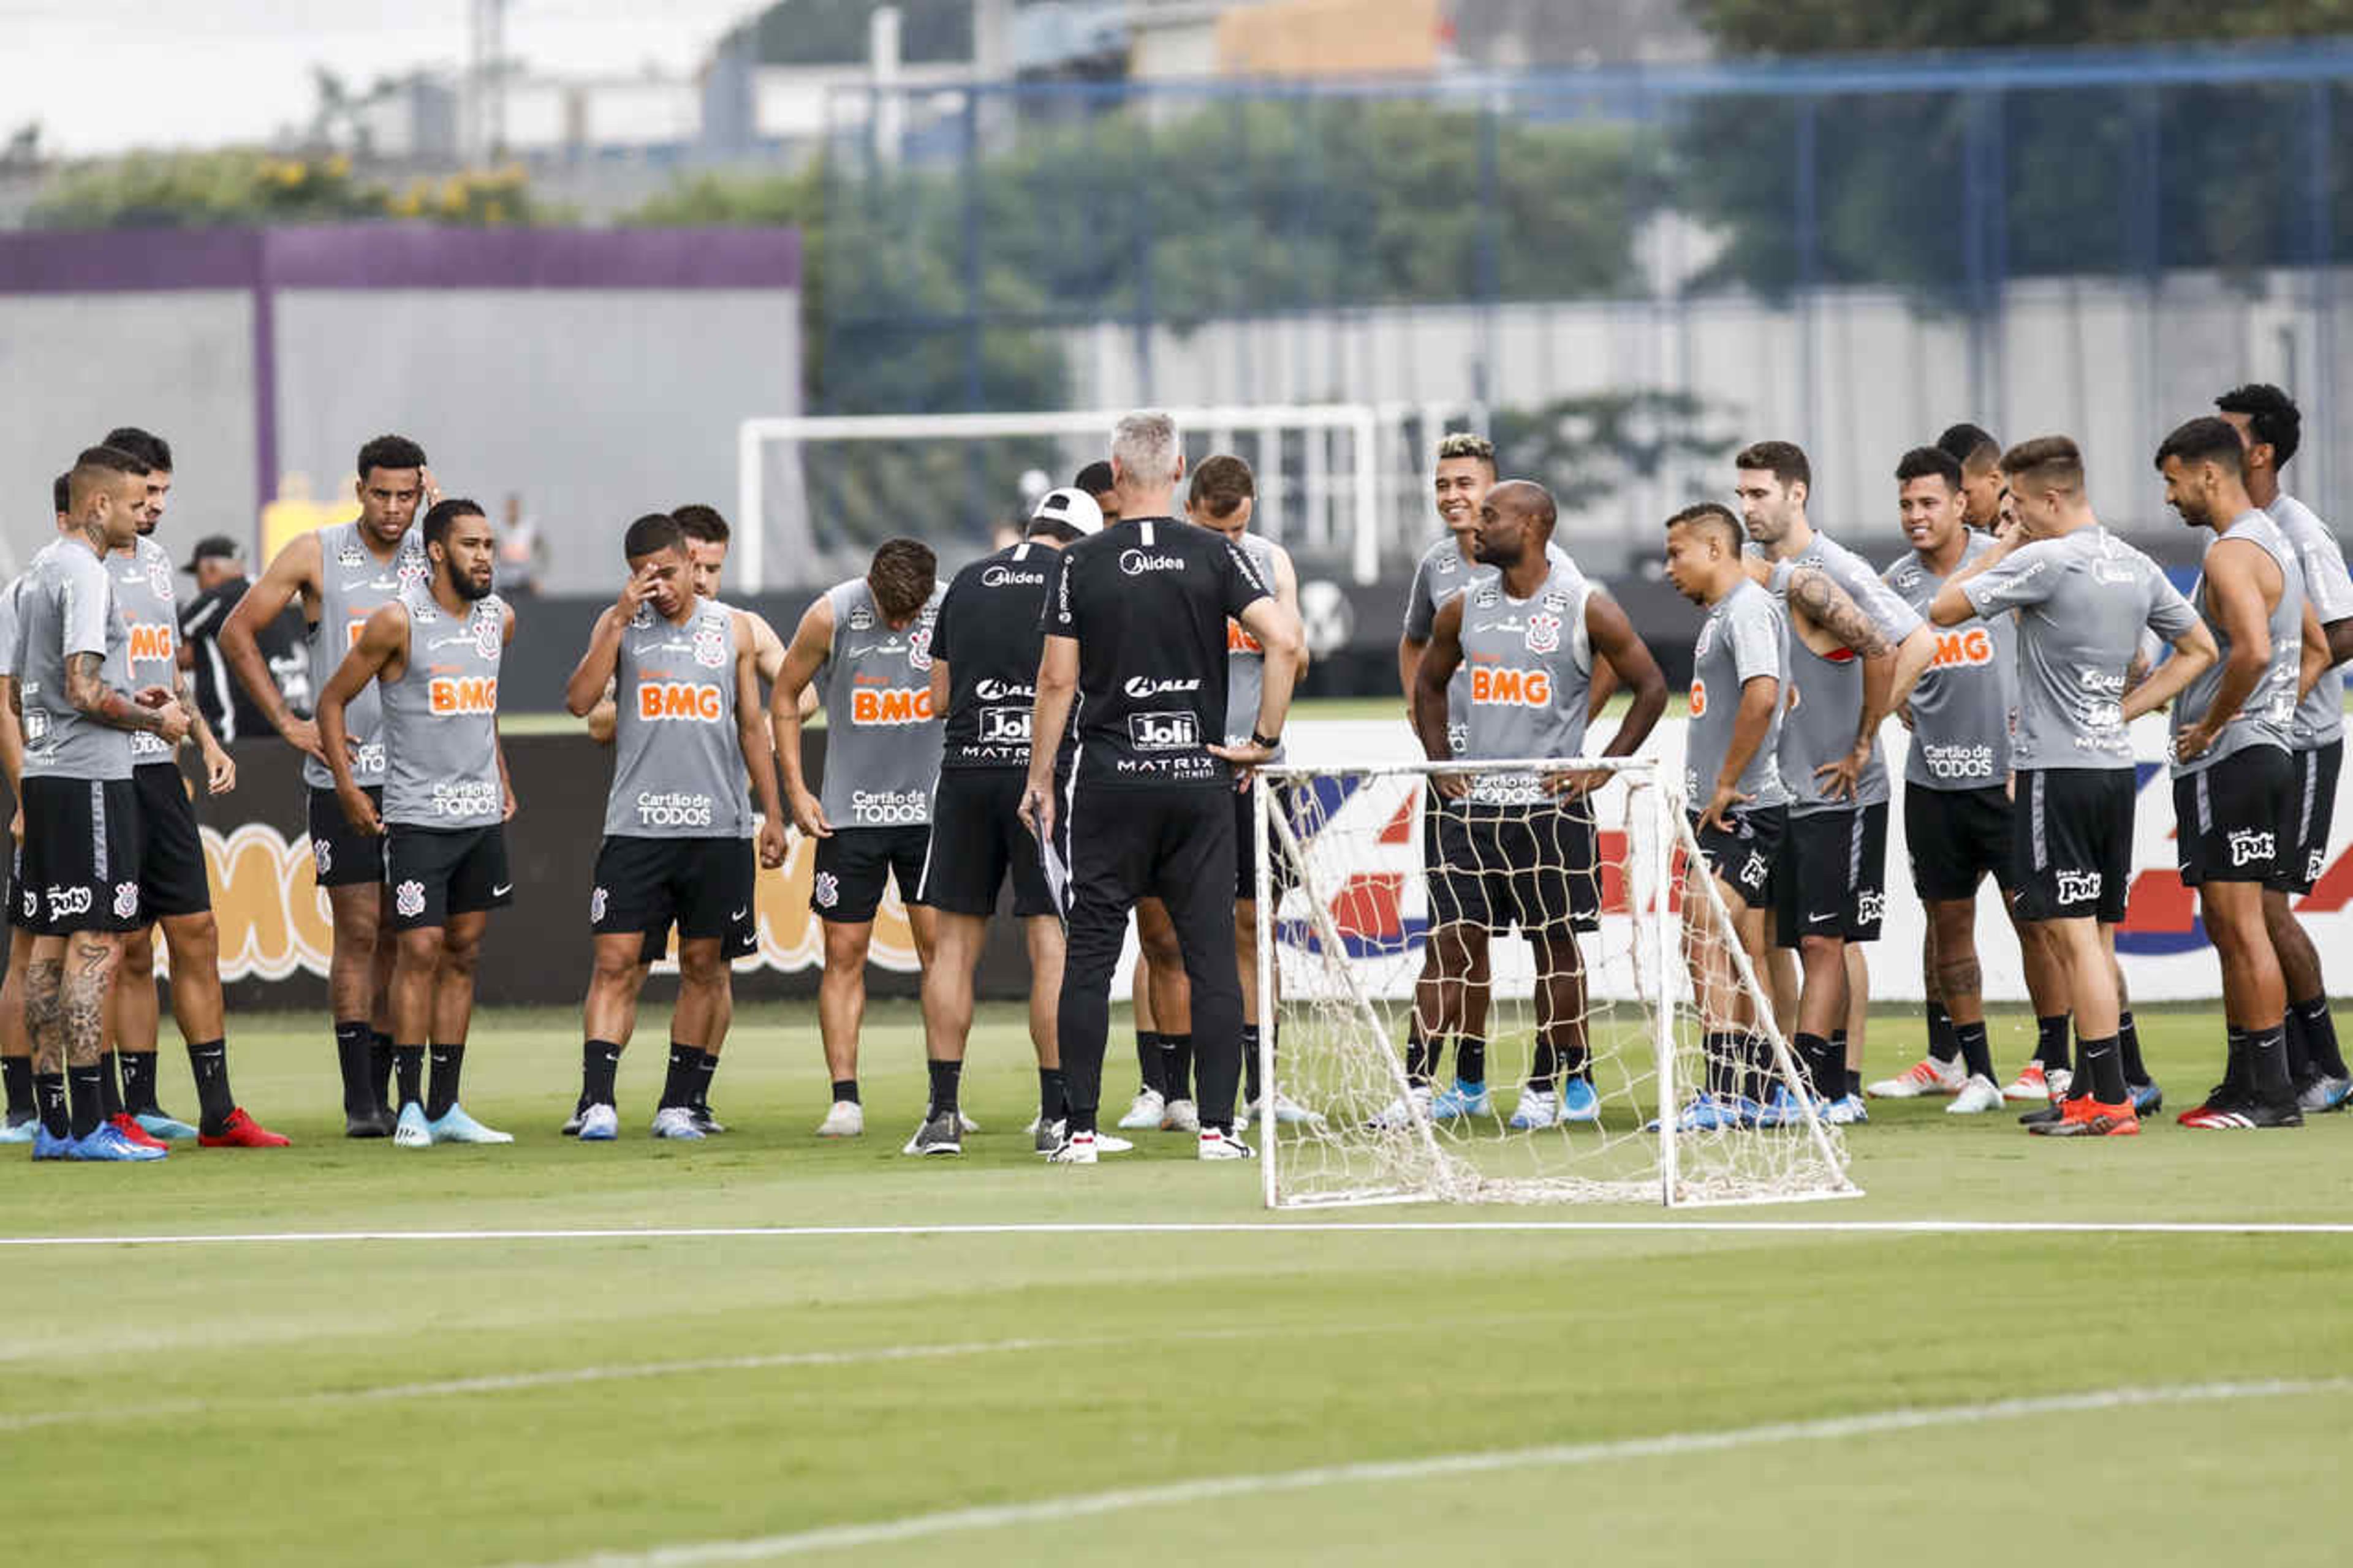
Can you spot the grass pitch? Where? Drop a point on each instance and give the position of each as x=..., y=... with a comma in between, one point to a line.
x=1711, y=1389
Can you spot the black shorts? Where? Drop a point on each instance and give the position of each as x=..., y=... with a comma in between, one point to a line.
x=172, y=879
x=1742, y=854
x=1280, y=875
x=1817, y=882
x=1956, y=838
x=342, y=856
x=851, y=865
x=2070, y=833
x=1532, y=867
x=979, y=841
x=703, y=885
x=2313, y=797
x=2234, y=822
x=20, y=915
x=79, y=867
x=436, y=872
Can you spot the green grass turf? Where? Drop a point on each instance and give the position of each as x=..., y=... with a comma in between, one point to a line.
x=261, y=1403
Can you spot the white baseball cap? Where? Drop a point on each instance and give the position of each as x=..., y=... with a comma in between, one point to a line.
x=1072, y=508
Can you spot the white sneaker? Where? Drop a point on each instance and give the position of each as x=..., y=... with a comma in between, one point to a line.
x=1537, y=1107
x=1179, y=1117
x=1977, y=1096
x=1927, y=1076
x=1080, y=1150
x=846, y=1120
x=1217, y=1145
x=599, y=1124
x=677, y=1121
x=1399, y=1114
x=1289, y=1112
x=1146, y=1110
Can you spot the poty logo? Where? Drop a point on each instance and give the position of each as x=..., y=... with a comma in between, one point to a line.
x=408, y=900
x=454, y=696
x=1140, y=687
x=2078, y=886
x=150, y=642
x=2250, y=845
x=691, y=701
x=1871, y=908
x=1973, y=645
x=1136, y=563
x=65, y=902
x=1753, y=870
x=1000, y=576
x=2314, y=865
x=1501, y=686
x=897, y=706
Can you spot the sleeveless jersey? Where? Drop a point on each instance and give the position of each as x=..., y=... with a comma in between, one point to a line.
x=151, y=617
x=1531, y=668
x=1962, y=705
x=1895, y=620
x=2328, y=588
x=352, y=585
x=883, y=740
x=1744, y=636
x=1245, y=660
x=2267, y=717
x=1438, y=576
x=678, y=766
x=441, y=717
x=65, y=604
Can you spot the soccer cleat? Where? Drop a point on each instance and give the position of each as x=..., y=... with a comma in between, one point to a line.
x=2089, y=1118
x=377, y=1123
x=1399, y=1114
x=23, y=1132
x=122, y=1122
x=108, y=1145
x=2148, y=1098
x=846, y=1120
x=1927, y=1076
x=941, y=1134
x=597, y=1124
x=1079, y=1149
x=1045, y=1136
x=1464, y=1099
x=1181, y=1116
x=1782, y=1108
x=1288, y=1113
x=1980, y=1095
x=710, y=1123
x=46, y=1147
x=573, y=1122
x=2044, y=1115
x=1578, y=1102
x=1846, y=1110
x=1537, y=1107
x=1217, y=1145
x=2324, y=1094
x=2240, y=1115
x=242, y=1132
x=1714, y=1113
x=2060, y=1081
x=161, y=1124
x=677, y=1122
x=2223, y=1097
x=1146, y=1110
x=2030, y=1085
x=449, y=1127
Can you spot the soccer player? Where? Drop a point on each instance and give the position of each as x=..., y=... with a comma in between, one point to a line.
x=77, y=891
x=1956, y=786
x=1519, y=849
x=1980, y=456
x=691, y=729
x=433, y=655
x=24, y=1119
x=2270, y=427
x=1135, y=632
x=174, y=889
x=1847, y=676
x=867, y=646
x=2084, y=597
x=1732, y=787
x=343, y=574
x=2230, y=767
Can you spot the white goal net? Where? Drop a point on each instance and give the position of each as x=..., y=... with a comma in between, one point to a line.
x=1384, y=966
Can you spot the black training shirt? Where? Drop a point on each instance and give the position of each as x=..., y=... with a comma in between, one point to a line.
x=1147, y=600
x=988, y=630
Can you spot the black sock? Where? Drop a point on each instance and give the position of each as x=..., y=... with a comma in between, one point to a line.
x=844, y=1088
x=408, y=1074
x=1976, y=1054
x=1761, y=1072
x=356, y=1054
x=945, y=1077
x=1249, y=1064
x=381, y=1062
x=1842, y=1082
x=2268, y=1060
x=449, y=1062
x=1420, y=1056
x=2129, y=1050
x=1824, y=1074
x=1176, y=1066
x=2238, y=1077
x=17, y=1072
x=208, y=1062
x=2299, y=1050
x=137, y=1080
x=86, y=1099
x=704, y=1071
x=2051, y=1043
x=678, y=1083
x=1053, y=1096
x=1720, y=1063
x=600, y=1063
x=2320, y=1036
x=1943, y=1047
x=2102, y=1067
x=1149, y=1068
x=49, y=1101
x=1471, y=1059
x=110, y=1084
x=1544, y=1065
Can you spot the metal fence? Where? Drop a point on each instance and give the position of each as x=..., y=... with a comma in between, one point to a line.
x=1628, y=271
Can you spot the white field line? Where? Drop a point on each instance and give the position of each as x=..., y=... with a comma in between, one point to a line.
x=1229, y=1227
x=1086, y=1505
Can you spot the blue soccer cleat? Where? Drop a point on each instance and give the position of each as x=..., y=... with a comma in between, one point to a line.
x=454, y=1126
x=156, y=1124
x=23, y=1132
x=412, y=1131
x=2147, y=1100
x=109, y=1145
x=1782, y=1108
x=1846, y=1110
x=1463, y=1099
x=1578, y=1102
x=46, y=1147
x=1713, y=1113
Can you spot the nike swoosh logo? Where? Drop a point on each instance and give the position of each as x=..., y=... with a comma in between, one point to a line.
x=502, y=889
x=738, y=914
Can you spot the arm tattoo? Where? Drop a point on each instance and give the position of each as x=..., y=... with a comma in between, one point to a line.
x=1829, y=608
x=86, y=689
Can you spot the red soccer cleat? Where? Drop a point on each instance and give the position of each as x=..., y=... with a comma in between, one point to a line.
x=242, y=1132
x=128, y=1125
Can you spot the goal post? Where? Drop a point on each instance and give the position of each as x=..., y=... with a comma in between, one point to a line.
x=1688, y=1095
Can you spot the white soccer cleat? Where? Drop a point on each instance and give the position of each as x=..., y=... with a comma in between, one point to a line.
x=676, y=1121
x=2030, y=1087
x=1217, y=1145
x=1145, y=1112
x=846, y=1120
x=1181, y=1116
x=1289, y=1112
x=1977, y=1096
x=1927, y=1076
x=1537, y=1107
x=1079, y=1149
x=1399, y=1114
x=599, y=1124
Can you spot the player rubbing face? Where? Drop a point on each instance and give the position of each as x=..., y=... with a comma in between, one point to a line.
x=1934, y=514
x=470, y=551
x=670, y=579
x=1768, y=508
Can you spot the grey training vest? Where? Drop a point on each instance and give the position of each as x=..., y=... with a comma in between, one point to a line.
x=151, y=617
x=352, y=585
x=441, y=718
x=678, y=767
x=1245, y=660
x=1531, y=670
x=882, y=741
x=2268, y=715
x=66, y=598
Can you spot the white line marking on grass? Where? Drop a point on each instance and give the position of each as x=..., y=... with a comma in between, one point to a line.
x=1561, y=1456
x=1232, y=1228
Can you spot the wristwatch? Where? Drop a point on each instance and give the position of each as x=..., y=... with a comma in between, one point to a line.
x=1270, y=742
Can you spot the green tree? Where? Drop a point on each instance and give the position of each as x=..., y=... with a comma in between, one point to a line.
x=241, y=188
x=834, y=32
x=1841, y=26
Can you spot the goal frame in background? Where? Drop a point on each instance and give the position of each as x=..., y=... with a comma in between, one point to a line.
x=1361, y=421
x=1658, y=933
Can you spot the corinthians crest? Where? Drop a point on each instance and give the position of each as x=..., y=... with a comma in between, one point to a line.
x=1544, y=633
x=711, y=640
x=489, y=628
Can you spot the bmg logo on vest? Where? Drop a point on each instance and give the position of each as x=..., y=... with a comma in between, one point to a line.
x=1966, y=645
x=1497, y=685
x=455, y=695
x=891, y=705
x=685, y=700
x=151, y=643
